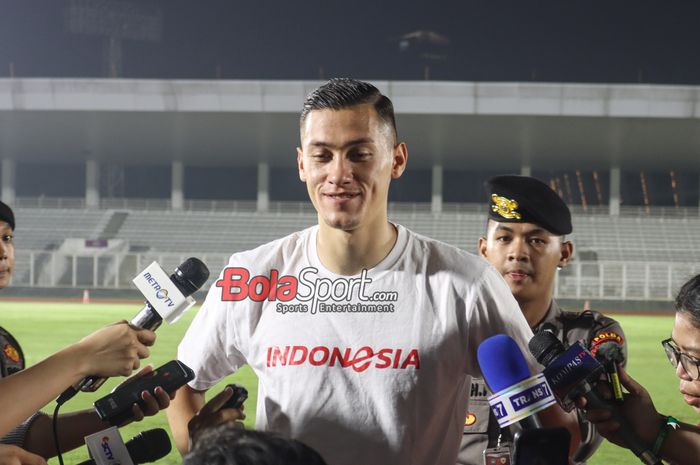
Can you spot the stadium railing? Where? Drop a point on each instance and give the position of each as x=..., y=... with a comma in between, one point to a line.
x=604, y=280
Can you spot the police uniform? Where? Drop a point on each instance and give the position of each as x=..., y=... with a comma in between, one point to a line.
x=527, y=200
x=11, y=355
x=12, y=361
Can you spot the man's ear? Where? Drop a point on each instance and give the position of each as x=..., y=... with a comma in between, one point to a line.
x=567, y=253
x=399, y=160
x=482, y=246
x=300, y=164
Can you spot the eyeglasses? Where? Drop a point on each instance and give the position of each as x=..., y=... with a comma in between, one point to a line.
x=690, y=364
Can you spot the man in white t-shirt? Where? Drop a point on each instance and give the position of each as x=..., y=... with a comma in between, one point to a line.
x=362, y=334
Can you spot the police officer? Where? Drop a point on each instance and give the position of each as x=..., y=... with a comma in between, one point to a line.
x=526, y=242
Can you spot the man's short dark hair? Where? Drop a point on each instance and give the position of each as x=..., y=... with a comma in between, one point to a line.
x=688, y=300
x=341, y=93
x=228, y=444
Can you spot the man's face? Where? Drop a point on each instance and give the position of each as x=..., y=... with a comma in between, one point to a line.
x=7, y=254
x=347, y=160
x=527, y=256
x=687, y=337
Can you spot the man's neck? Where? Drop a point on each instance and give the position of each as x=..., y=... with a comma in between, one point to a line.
x=349, y=252
x=535, y=310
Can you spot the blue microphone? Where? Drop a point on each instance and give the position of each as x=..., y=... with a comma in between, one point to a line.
x=518, y=396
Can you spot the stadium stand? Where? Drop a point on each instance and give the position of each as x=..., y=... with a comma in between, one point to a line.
x=630, y=257
x=597, y=237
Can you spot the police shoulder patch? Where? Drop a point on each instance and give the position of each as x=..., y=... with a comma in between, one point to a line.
x=470, y=420
x=11, y=353
x=605, y=336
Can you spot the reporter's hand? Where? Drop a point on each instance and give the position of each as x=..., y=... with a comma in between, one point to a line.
x=212, y=414
x=114, y=350
x=13, y=455
x=151, y=404
x=637, y=408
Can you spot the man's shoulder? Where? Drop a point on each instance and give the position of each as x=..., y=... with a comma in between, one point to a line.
x=273, y=253
x=592, y=326
x=448, y=255
x=591, y=319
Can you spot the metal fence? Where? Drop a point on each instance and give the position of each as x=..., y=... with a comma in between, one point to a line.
x=49, y=269
x=582, y=280
x=651, y=281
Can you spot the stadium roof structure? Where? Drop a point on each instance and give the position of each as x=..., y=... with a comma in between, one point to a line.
x=458, y=125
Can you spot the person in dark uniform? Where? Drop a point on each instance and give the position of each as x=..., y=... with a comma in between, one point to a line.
x=111, y=351
x=526, y=242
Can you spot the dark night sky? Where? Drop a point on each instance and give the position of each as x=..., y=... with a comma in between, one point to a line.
x=553, y=41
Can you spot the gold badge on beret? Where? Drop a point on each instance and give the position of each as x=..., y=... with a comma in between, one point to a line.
x=505, y=207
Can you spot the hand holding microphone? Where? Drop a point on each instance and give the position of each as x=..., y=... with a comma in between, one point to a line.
x=572, y=374
x=166, y=299
x=114, y=350
x=638, y=409
x=217, y=411
x=150, y=403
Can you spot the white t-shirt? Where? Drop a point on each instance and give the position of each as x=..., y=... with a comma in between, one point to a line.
x=368, y=369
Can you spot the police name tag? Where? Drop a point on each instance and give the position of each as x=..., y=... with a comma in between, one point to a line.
x=521, y=400
x=497, y=456
x=159, y=290
x=107, y=448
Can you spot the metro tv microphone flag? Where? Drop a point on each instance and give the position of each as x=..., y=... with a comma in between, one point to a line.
x=571, y=373
x=518, y=396
x=167, y=298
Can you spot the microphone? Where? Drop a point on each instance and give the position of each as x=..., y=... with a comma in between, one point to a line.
x=609, y=354
x=145, y=447
x=570, y=373
x=606, y=347
x=518, y=396
x=163, y=301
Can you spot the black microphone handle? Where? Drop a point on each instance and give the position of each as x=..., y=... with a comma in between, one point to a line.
x=531, y=422
x=626, y=432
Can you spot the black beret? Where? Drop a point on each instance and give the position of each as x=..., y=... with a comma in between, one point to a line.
x=6, y=215
x=522, y=199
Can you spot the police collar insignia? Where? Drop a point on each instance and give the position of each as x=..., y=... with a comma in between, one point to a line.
x=505, y=207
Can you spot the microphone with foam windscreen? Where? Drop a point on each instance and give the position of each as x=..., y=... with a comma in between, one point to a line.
x=606, y=347
x=572, y=373
x=146, y=447
x=518, y=395
x=609, y=354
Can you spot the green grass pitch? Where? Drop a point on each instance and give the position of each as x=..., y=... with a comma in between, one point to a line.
x=43, y=328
